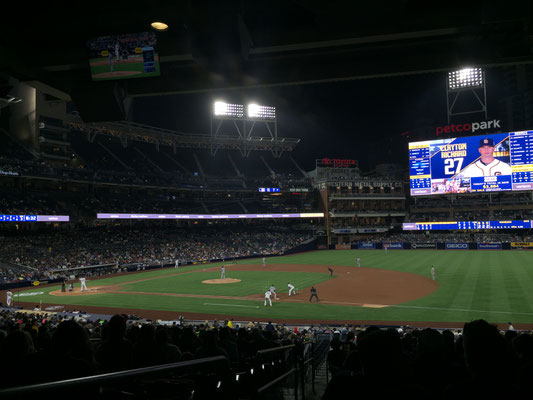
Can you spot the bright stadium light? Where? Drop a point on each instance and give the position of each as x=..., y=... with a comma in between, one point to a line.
x=465, y=78
x=222, y=109
x=261, y=112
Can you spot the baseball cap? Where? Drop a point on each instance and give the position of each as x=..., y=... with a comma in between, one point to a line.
x=486, y=142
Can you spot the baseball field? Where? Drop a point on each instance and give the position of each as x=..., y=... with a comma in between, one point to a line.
x=389, y=288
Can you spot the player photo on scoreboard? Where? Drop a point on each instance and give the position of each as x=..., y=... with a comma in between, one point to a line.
x=462, y=165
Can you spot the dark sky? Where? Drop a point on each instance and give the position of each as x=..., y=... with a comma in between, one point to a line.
x=361, y=119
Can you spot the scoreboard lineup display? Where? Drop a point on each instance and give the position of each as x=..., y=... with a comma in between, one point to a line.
x=474, y=164
x=465, y=225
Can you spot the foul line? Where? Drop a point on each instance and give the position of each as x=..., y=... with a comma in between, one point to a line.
x=228, y=305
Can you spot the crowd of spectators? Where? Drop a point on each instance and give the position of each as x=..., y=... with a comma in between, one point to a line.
x=478, y=361
x=43, y=347
x=46, y=252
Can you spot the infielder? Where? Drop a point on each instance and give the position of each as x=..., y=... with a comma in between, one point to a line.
x=83, y=287
x=487, y=165
x=264, y=262
x=273, y=291
x=9, y=298
x=432, y=272
x=222, y=272
x=291, y=289
x=359, y=262
x=267, y=297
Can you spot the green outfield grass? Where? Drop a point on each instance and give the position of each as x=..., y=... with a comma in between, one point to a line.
x=493, y=285
x=139, y=66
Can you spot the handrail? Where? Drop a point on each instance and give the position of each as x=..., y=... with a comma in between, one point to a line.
x=275, y=349
x=109, y=377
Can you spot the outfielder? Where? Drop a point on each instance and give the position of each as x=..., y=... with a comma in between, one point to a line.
x=291, y=289
x=176, y=263
x=9, y=298
x=264, y=262
x=432, y=272
x=223, y=272
x=267, y=297
x=359, y=262
x=83, y=287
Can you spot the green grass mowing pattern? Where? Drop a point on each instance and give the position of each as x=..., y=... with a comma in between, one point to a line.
x=493, y=285
x=98, y=69
x=252, y=282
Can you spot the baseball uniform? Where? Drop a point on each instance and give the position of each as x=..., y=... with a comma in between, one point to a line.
x=273, y=291
x=83, y=287
x=9, y=298
x=177, y=264
x=291, y=289
x=433, y=273
x=267, y=297
x=222, y=273
x=359, y=262
x=496, y=167
x=313, y=294
x=264, y=261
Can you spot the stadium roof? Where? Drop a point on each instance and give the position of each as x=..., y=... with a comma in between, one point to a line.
x=234, y=44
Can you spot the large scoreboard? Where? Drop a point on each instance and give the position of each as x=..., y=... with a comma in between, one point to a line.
x=474, y=164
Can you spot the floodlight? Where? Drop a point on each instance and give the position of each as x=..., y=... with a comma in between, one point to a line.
x=223, y=109
x=261, y=112
x=465, y=78
x=159, y=26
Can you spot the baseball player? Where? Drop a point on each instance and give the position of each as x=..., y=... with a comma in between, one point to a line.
x=386, y=248
x=268, y=293
x=273, y=291
x=291, y=289
x=487, y=165
x=9, y=298
x=313, y=294
x=176, y=263
x=432, y=272
x=330, y=272
x=264, y=262
x=223, y=272
x=359, y=262
x=83, y=286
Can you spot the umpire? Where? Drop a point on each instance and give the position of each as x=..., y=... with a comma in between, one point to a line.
x=313, y=294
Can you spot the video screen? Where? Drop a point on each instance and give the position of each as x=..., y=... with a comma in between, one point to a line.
x=474, y=164
x=126, y=56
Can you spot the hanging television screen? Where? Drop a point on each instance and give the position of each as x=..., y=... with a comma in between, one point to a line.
x=127, y=56
x=474, y=164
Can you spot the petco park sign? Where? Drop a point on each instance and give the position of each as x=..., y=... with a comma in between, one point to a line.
x=473, y=127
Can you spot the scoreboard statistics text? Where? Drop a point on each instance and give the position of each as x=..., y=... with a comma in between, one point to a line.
x=466, y=225
x=474, y=164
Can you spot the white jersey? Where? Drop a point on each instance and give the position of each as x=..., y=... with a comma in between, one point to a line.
x=272, y=289
x=290, y=286
x=82, y=281
x=268, y=294
x=495, y=168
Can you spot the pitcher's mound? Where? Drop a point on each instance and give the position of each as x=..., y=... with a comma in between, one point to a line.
x=220, y=281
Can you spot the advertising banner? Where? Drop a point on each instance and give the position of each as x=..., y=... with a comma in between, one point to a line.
x=423, y=245
x=395, y=245
x=366, y=245
x=522, y=245
x=456, y=246
x=489, y=246
x=343, y=246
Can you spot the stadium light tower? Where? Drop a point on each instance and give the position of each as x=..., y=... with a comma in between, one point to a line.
x=244, y=123
x=466, y=82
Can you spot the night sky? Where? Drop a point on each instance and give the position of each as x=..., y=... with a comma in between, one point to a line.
x=360, y=119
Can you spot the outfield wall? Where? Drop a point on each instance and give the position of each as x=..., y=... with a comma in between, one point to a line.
x=433, y=246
